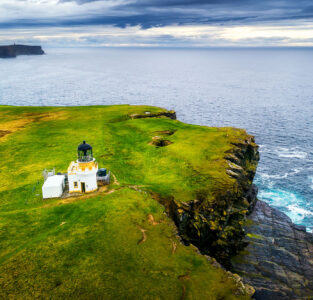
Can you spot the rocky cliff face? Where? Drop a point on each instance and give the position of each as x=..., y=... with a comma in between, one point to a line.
x=15, y=50
x=278, y=260
x=247, y=236
x=216, y=226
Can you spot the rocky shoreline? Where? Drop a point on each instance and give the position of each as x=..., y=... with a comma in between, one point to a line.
x=278, y=261
x=270, y=253
x=13, y=51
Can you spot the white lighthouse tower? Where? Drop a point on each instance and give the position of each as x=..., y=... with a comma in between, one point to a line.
x=82, y=174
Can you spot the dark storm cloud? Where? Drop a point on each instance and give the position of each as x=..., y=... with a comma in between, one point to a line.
x=196, y=3
x=158, y=13
x=168, y=2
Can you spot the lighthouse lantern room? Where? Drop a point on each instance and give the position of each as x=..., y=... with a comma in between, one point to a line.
x=82, y=174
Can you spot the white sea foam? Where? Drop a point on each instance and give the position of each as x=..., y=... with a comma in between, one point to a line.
x=294, y=152
x=279, y=198
x=293, y=202
x=273, y=176
x=266, y=176
x=297, y=170
x=297, y=214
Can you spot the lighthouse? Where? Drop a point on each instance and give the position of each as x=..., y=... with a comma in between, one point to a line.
x=82, y=173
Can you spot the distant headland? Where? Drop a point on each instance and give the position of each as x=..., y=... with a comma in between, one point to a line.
x=12, y=51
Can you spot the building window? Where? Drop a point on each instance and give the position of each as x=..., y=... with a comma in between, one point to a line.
x=75, y=184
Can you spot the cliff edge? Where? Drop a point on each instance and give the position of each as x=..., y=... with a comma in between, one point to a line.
x=245, y=235
x=214, y=220
x=12, y=51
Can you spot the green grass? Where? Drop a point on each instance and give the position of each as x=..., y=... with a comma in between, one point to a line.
x=90, y=248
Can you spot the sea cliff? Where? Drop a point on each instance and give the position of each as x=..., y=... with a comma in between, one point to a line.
x=215, y=223
x=178, y=221
x=12, y=51
x=244, y=234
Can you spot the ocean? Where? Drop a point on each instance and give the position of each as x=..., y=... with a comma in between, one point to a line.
x=269, y=92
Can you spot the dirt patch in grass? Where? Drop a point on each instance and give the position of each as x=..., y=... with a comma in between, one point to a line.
x=151, y=220
x=144, y=236
x=4, y=132
x=158, y=141
x=38, y=116
x=115, y=180
x=184, y=278
x=174, y=247
x=70, y=198
x=26, y=119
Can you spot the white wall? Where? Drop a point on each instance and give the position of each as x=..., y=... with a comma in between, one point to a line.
x=53, y=190
x=90, y=180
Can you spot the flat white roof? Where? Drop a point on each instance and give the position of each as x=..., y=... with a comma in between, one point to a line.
x=55, y=180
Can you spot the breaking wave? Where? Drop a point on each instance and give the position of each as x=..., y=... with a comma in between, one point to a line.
x=291, y=203
x=278, y=198
x=291, y=153
x=269, y=178
x=298, y=213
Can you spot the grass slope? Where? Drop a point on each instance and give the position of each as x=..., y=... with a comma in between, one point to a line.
x=118, y=245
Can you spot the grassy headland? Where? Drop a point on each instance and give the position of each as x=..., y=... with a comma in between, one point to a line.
x=120, y=244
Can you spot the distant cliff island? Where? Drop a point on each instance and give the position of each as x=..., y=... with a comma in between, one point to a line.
x=12, y=51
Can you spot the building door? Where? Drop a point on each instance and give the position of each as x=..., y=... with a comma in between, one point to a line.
x=83, y=187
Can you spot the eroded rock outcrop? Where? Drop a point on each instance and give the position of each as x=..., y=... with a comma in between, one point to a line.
x=12, y=51
x=278, y=261
x=216, y=226
x=168, y=114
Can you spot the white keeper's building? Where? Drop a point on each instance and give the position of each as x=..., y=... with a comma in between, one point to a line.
x=82, y=174
x=53, y=186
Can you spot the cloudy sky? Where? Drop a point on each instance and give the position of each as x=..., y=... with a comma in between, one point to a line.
x=166, y=23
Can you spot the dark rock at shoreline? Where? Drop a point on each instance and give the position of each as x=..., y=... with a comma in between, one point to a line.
x=278, y=262
x=15, y=50
x=168, y=114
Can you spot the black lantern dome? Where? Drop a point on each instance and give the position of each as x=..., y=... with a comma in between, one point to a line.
x=84, y=152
